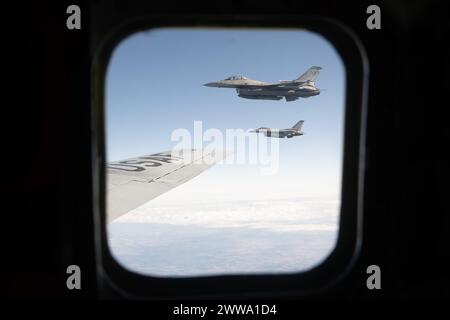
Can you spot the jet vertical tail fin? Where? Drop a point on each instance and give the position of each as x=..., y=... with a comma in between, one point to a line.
x=310, y=75
x=299, y=125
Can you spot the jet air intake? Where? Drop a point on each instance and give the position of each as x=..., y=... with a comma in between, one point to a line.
x=260, y=97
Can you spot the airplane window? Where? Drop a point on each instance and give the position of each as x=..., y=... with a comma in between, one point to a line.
x=193, y=187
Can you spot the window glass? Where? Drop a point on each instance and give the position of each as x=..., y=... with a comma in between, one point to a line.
x=272, y=204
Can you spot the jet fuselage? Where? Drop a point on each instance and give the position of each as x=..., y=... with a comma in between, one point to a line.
x=296, y=130
x=302, y=87
x=279, y=133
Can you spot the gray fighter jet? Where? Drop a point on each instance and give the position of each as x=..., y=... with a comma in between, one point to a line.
x=302, y=87
x=296, y=130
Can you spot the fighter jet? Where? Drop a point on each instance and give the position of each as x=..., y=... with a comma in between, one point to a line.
x=296, y=130
x=302, y=87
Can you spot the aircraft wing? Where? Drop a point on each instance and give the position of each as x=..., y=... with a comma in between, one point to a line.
x=281, y=85
x=133, y=182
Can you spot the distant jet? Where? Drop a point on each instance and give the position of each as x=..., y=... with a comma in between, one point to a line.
x=302, y=87
x=296, y=130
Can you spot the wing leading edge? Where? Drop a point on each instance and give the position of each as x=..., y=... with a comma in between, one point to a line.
x=133, y=182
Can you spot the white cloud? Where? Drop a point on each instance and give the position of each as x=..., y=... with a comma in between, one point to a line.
x=188, y=238
x=276, y=215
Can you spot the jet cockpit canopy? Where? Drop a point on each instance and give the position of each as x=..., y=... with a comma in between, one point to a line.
x=236, y=78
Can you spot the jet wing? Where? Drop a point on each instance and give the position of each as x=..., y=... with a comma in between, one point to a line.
x=133, y=182
x=281, y=85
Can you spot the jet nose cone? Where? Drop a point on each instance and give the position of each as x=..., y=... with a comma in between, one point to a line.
x=210, y=84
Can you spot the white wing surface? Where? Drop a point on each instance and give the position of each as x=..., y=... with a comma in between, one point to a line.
x=133, y=182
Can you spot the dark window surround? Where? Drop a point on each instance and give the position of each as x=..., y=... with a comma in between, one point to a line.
x=322, y=277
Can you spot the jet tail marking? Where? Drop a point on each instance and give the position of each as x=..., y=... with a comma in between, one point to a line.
x=298, y=125
x=310, y=75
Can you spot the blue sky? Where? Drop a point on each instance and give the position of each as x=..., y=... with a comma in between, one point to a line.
x=154, y=85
